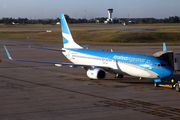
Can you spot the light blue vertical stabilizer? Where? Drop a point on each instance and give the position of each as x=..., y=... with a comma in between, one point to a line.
x=164, y=47
x=68, y=40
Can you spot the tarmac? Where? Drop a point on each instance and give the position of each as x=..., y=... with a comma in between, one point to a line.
x=46, y=92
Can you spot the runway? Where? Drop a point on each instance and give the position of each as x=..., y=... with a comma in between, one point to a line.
x=43, y=91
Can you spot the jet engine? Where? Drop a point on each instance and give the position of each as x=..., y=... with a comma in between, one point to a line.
x=96, y=73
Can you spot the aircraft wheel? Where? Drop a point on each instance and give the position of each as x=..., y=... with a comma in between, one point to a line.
x=177, y=87
x=156, y=84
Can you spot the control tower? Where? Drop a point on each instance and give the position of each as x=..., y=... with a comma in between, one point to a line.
x=110, y=19
x=110, y=11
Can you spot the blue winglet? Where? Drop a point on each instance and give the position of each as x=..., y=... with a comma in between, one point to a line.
x=7, y=53
x=164, y=47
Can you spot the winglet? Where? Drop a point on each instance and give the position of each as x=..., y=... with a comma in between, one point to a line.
x=7, y=53
x=164, y=47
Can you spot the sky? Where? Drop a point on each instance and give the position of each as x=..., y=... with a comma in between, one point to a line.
x=42, y=9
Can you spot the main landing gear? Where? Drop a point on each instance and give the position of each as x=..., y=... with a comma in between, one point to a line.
x=118, y=76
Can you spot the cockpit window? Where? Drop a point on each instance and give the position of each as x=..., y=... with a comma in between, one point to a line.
x=158, y=65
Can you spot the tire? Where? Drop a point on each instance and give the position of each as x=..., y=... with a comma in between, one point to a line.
x=177, y=88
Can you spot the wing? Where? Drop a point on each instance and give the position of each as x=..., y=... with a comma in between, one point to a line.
x=58, y=63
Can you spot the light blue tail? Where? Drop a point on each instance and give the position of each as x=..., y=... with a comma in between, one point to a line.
x=68, y=40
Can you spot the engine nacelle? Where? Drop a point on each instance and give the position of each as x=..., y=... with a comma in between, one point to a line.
x=96, y=73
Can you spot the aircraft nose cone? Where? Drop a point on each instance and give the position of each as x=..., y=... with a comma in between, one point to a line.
x=167, y=72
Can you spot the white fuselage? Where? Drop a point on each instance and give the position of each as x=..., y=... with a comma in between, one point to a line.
x=118, y=66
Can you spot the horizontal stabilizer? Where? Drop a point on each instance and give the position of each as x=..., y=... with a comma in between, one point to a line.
x=47, y=48
x=86, y=46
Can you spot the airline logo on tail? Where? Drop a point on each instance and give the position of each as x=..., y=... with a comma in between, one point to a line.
x=68, y=40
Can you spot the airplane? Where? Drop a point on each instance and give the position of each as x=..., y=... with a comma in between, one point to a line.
x=99, y=62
